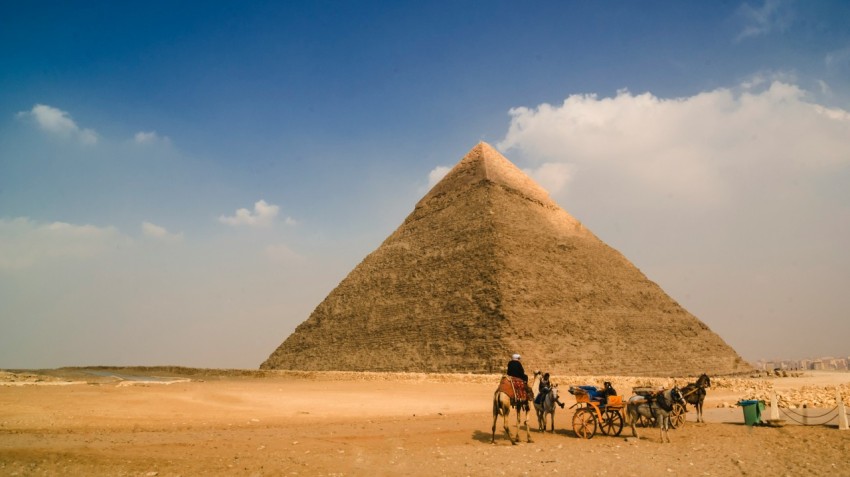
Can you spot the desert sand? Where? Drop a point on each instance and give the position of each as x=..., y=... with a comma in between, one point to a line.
x=207, y=422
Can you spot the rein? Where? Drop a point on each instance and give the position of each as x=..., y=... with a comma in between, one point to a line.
x=694, y=387
x=693, y=390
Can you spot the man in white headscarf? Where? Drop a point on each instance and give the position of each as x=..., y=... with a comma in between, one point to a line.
x=515, y=368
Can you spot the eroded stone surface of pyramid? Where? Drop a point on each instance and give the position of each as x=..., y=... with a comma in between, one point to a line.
x=487, y=265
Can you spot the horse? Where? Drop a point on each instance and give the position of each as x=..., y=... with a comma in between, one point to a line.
x=656, y=406
x=502, y=404
x=694, y=393
x=547, y=407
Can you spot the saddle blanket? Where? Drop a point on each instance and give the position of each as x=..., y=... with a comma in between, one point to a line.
x=513, y=387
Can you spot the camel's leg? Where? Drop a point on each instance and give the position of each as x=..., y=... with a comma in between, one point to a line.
x=497, y=410
x=500, y=409
x=527, y=431
x=517, y=410
x=507, y=428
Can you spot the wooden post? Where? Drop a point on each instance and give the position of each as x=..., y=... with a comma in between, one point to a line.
x=842, y=412
x=774, y=407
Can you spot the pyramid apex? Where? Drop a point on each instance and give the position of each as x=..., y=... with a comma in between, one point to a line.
x=484, y=163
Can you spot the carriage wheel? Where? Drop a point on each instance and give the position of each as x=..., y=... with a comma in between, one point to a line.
x=612, y=422
x=584, y=423
x=677, y=415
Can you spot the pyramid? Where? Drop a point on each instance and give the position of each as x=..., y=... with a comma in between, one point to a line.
x=487, y=265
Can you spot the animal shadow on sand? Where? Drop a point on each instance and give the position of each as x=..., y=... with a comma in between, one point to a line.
x=484, y=437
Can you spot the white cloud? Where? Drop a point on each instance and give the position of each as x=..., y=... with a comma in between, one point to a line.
x=262, y=216
x=25, y=243
x=437, y=174
x=687, y=148
x=552, y=176
x=772, y=16
x=58, y=122
x=150, y=137
x=160, y=233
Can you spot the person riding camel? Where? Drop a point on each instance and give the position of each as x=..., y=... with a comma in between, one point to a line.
x=515, y=370
x=543, y=389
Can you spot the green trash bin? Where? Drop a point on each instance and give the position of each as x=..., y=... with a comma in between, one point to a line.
x=752, y=411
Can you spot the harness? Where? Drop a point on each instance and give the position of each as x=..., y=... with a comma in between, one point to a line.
x=693, y=390
x=660, y=401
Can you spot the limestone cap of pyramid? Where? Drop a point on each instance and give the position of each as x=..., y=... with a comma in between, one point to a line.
x=485, y=163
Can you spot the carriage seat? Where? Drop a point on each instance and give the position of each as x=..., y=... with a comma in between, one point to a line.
x=594, y=393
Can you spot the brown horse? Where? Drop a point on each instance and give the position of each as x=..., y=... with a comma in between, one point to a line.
x=694, y=393
x=503, y=402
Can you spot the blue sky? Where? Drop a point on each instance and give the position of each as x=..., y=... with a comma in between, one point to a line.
x=183, y=183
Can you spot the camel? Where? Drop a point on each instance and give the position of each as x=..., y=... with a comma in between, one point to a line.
x=502, y=404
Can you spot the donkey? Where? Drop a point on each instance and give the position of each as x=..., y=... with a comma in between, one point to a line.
x=694, y=393
x=656, y=406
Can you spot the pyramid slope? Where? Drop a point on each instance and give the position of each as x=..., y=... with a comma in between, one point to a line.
x=487, y=264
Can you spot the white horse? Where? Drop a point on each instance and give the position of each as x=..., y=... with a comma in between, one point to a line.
x=547, y=408
x=502, y=404
x=656, y=406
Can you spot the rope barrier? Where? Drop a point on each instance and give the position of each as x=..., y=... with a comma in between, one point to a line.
x=835, y=409
x=789, y=413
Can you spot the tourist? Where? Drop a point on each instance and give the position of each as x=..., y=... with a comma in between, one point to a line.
x=515, y=368
x=543, y=389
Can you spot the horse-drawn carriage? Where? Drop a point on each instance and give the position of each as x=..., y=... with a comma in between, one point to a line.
x=597, y=408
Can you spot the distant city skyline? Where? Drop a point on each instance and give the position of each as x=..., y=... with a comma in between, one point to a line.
x=811, y=363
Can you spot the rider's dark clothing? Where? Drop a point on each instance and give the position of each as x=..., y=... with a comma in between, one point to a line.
x=516, y=370
x=543, y=388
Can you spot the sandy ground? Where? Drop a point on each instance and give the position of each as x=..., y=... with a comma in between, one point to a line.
x=327, y=425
